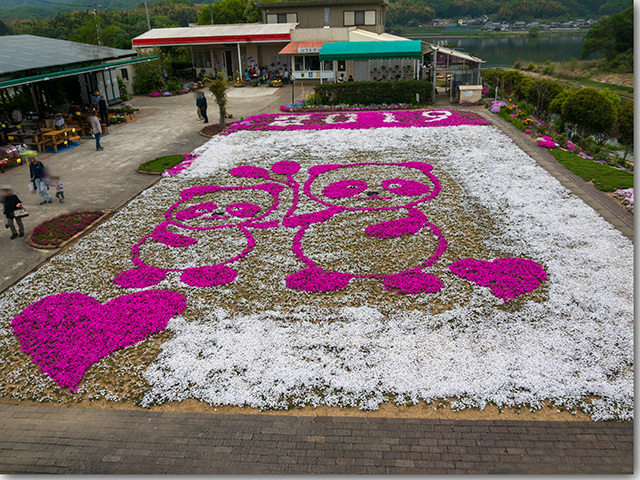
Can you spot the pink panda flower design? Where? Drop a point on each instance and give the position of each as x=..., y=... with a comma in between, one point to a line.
x=378, y=218
x=203, y=213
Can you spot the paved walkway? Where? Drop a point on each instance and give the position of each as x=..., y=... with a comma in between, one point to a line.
x=109, y=179
x=74, y=440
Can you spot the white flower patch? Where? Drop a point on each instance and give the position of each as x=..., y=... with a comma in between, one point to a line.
x=257, y=342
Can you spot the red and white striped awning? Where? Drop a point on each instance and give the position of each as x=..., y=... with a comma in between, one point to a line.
x=216, y=34
x=294, y=48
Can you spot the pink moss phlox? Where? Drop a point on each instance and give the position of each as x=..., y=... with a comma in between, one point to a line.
x=208, y=276
x=243, y=216
x=357, y=120
x=182, y=166
x=65, y=334
x=400, y=227
x=507, y=278
x=314, y=279
x=413, y=282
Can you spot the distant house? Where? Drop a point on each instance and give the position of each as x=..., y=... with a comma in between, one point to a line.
x=519, y=26
x=568, y=25
x=483, y=19
x=533, y=24
x=504, y=27
x=490, y=27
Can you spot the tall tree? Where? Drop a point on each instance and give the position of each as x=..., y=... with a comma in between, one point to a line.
x=229, y=11
x=591, y=112
x=612, y=35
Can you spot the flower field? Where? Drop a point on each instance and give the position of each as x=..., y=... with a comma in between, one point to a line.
x=346, y=260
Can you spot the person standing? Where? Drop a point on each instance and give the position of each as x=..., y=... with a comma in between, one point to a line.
x=37, y=172
x=11, y=203
x=104, y=110
x=16, y=116
x=96, y=128
x=201, y=103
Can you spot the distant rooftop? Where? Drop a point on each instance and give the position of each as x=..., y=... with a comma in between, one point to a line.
x=28, y=52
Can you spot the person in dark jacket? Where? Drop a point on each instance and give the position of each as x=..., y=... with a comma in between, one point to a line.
x=11, y=203
x=104, y=110
x=201, y=103
x=37, y=172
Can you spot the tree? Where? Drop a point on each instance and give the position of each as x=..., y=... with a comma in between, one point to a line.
x=534, y=31
x=404, y=12
x=229, y=11
x=591, y=112
x=612, y=36
x=542, y=92
x=148, y=77
x=218, y=89
x=556, y=105
x=625, y=127
x=4, y=30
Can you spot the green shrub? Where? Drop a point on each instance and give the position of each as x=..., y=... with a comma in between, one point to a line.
x=159, y=165
x=517, y=65
x=531, y=66
x=548, y=69
x=374, y=93
x=506, y=114
x=591, y=111
x=124, y=94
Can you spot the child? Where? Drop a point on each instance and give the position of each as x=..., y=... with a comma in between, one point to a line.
x=55, y=182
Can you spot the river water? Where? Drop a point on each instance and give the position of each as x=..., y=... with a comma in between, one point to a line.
x=505, y=51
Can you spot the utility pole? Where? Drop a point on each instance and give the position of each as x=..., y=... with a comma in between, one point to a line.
x=95, y=12
x=146, y=9
x=211, y=12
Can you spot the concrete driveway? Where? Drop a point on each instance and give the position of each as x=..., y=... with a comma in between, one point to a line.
x=109, y=179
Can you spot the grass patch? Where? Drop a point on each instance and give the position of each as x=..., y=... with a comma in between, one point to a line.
x=159, y=165
x=61, y=228
x=604, y=177
x=587, y=82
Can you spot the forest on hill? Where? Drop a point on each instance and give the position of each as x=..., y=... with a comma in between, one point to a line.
x=118, y=26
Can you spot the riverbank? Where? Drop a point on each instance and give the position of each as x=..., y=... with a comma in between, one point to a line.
x=418, y=33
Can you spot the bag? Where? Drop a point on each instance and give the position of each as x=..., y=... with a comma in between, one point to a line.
x=21, y=213
x=32, y=188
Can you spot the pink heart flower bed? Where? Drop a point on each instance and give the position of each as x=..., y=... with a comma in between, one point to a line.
x=507, y=278
x=67, y=333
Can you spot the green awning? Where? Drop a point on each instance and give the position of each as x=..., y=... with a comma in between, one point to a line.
x=371, y=50
x=75, y=71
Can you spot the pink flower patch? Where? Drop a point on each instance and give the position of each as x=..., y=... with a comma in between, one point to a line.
x=67, y=333
x=507, y=278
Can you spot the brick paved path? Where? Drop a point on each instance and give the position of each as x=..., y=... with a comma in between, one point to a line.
x=74, y=440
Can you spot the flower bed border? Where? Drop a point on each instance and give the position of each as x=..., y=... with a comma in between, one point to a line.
x=104, y=214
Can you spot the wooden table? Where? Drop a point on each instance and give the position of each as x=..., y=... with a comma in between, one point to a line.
x=22, y=136
x=55, y=138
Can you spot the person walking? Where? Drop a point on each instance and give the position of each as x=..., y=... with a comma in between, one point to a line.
x=37, y=172
x=201, y=103
x=104, y=110
x=11, y=203
x=96, y=128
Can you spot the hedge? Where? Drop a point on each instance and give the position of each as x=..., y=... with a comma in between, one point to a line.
x=374, y=93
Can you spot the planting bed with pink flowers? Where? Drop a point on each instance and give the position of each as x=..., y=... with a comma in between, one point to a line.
x=332, y=259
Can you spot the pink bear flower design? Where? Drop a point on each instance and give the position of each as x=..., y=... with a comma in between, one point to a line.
x=407, y=185
x=210, y=208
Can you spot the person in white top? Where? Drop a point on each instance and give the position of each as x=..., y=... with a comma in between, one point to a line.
x=96, y=128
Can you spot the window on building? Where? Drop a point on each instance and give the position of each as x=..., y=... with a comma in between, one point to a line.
x=312, y=62
x=125, y=74
x=326, y=16
x=282, y=18
x=298, y=63
x=328, y=65
x=342, y=66
x=202, y=59
x=359, y=17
